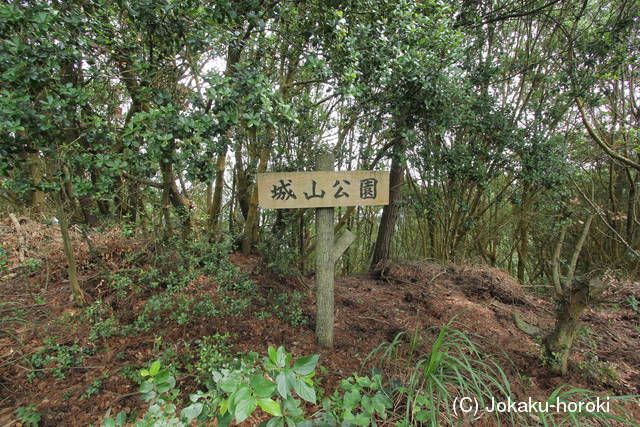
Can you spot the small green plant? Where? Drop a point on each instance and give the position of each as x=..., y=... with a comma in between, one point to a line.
x=128, y=229
x=29, y=415
x=288, y=308
x=94, y=388
x=279, y=257
x=158, y=389
x=121, y=284
x=634, y=303
x=596, y=369
x=103, y=321
x=4, y=259
x=130, y=373
x=429, y=380
x=359, y=401
x=214, y=353
x=119, y=421
x=263, y=315
x=32, y=264
x=270, y=387
x=62, y=357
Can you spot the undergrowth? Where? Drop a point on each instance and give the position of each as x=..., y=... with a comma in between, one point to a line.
x=411, y=384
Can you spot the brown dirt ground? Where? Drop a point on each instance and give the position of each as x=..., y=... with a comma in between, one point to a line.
x=406, y=298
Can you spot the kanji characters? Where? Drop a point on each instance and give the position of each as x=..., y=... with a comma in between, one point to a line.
x=368, y=188
x=340, y=192
x=314, y=194
x=282, y=191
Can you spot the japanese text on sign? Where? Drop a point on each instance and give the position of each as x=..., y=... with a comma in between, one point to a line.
x=287, y=190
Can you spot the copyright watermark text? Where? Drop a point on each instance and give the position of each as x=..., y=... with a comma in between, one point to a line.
x=471, y=406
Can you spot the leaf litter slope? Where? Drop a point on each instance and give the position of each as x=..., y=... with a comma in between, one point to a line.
x=407, y=297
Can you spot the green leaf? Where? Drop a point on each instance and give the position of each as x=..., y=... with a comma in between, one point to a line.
x=155, y=368
x=305, y=365
x=145, y=387
x=109, y=422
x=229, y=385
x=272, y=355
x=192, y=411
x=224, y=406
x=148, y=396
x=121, y=418
x=244, y=408
x=270, y=406
x=262, y=386
x=283, y=386
x=162, y=377
x=273, y=422
x=351, y=399
x=304, y=390
x=281, y=357
x=167, y=385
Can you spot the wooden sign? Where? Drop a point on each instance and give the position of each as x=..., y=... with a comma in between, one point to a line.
x=322, y=189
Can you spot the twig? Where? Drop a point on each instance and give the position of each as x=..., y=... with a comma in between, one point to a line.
x=21, y=238
x=21, y=307
x=377, y=320
x=122, y=396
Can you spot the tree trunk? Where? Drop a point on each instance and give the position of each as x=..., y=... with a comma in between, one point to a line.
x=523, y=233
x=250, y=235
x=35, y=170
x=72, y=271
x=560, y=341
x=574, y=297
x=216, y=202
x=389, y=212
x=178, y=201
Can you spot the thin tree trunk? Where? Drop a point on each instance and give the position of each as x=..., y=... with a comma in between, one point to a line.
x=216, y=202
x=179, y=202
x=72, y=271
x=251, y=225
x=575, y=296
x=389, y=212
x=35, y=170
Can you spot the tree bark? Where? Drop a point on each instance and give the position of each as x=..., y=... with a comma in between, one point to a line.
x=35, y=170
x=571, y=307
x=574, y=297
x=251, y=225
x=389, y=212
x=179, y=202
x=216, y=202
x=72, y=271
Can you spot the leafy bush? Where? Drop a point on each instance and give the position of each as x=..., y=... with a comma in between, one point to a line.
x=288, y=308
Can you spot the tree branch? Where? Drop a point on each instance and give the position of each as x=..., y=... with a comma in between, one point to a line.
x=607, y=149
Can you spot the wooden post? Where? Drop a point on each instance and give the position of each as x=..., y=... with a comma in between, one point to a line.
x=323, y=190
x=324, y=264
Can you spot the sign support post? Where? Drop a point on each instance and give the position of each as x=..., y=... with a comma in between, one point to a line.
x=323, y=190
x=325, y=265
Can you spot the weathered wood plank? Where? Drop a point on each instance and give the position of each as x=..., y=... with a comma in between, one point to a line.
x=287, y=190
